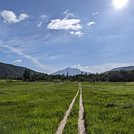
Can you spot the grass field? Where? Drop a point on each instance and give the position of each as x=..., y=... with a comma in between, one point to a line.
x=38, y=108
x=109, y=108
x=33, y=108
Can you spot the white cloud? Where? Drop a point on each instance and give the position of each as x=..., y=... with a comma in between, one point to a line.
x=23, y=16
x=10, y=16
x=68, y=23
x=90, y=23
x=68, y=14
x=101, y=67
x=77, y=33
x=65, y=24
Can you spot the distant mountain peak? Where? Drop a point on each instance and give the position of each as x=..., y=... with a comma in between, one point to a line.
x=70, y=71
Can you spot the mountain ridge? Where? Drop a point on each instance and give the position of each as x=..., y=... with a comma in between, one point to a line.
x=12, y=71
x=127, y=68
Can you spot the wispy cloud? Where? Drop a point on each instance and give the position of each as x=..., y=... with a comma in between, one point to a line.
x=23, y=47
x=17, y=61
x=54, y=57
x=77, y=33
x=91, y=23
x=68, y=14
x=95, y=13
x=43, y=19
x=39, y=24
x=10, y=16
x=21, y=53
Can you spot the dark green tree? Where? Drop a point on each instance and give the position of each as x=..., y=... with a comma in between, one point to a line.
x=26, y=75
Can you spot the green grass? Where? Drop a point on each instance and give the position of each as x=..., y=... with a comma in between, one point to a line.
x=37, y=108
x=109, y=108
x=33, y=108
x=72, y=122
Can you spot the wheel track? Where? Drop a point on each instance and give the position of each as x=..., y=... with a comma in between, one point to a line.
x=63, y=122
x=81, y=121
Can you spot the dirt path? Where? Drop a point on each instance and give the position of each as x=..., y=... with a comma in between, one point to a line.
x=64, y=120
x=81, y=121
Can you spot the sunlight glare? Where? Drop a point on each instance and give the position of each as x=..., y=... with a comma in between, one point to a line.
x=120, y=3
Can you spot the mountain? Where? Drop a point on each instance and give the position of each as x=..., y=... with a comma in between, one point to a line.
x=129, y=68
x=70, y=71
x=12, y=71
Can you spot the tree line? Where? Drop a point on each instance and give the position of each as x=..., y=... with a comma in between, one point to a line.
x=111, y=76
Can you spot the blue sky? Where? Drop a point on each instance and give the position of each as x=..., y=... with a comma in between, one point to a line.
x=48, y=35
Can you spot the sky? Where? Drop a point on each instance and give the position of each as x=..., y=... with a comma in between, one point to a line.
x=49, y=35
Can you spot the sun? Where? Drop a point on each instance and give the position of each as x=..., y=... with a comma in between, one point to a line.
x=120, y=3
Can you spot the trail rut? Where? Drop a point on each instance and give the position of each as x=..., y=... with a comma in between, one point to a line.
x=64, y=120
x=81, y=121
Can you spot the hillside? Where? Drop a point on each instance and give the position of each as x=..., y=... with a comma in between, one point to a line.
x=129, y=68
x=12, y=71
